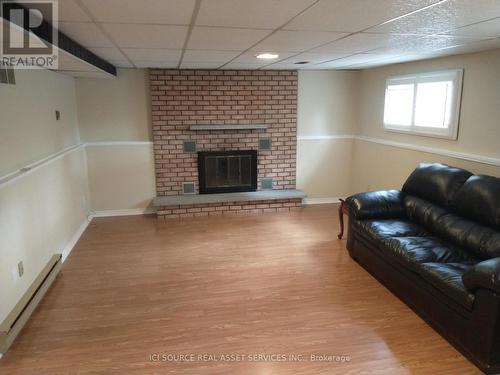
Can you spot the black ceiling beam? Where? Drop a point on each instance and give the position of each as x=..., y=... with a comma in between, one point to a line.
x=65, y=43
x=74, y=48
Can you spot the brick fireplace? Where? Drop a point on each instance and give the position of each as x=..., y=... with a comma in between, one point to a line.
x=223, y=110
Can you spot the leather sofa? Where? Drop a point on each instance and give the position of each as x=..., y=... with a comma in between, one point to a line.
x=436, y=245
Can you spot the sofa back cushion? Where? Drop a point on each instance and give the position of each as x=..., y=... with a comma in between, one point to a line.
x=479, y=200
x=436, y=183
x=481, y=240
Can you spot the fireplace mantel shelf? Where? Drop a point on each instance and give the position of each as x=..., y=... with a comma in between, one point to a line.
x=228, y=127
x=261, y=195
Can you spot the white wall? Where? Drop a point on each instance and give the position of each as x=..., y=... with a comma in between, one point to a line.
x=40, y=210
x=327, y=116
x=28, y=127
x=115, y=109
x=115, y=120
x=377, y=165
x=121, y=177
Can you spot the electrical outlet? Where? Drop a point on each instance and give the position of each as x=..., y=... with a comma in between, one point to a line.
x=20, y=269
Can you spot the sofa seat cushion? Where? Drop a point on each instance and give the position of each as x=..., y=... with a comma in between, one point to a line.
x=413, y=251
x=447, y=278
x=380, y=229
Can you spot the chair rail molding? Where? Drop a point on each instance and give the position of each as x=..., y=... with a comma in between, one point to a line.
x=119, y=143
x=324, y=136
x=477, y=158
x=30, y=168
x=432, y=150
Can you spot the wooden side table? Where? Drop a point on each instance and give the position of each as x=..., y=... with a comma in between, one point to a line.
x=343, y=210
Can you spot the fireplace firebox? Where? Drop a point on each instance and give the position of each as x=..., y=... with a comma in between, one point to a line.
x=227, y=171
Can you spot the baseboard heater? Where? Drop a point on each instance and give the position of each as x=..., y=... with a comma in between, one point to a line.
x=17, y=318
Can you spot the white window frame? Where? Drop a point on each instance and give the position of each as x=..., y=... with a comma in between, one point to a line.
x=456, y=75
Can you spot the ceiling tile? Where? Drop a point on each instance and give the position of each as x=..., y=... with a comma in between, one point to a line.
x=265, y=14
x=209, y=56
x=249, y=58
x=296, y=41
x=412, y=44
x=122, y=64
x=174, y=12
x=241, y=66
x=485, y=29
x=392, y=60
x=314, y=58
x=288, y=66
x=226, y=39
x=156, y=64
x=443, y=17
x=85, y=33
x=351, y=60
x=354, y=44
x=200, y=65
x=150, y=54
x=353, y=15
x=471, y=47
x=109, y=54
x=147, y=36
x=70, y=11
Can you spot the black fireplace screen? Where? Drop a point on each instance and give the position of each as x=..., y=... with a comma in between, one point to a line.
x=227, y=171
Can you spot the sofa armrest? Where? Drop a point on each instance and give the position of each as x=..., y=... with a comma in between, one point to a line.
x=485, y=275
x=386, y=204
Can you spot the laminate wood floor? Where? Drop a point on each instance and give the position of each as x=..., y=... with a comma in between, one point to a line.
x=141, y=296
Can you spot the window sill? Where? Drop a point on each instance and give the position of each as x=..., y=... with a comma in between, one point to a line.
x=428, y=134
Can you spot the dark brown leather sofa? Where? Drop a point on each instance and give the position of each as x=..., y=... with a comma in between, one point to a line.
x=436, y=245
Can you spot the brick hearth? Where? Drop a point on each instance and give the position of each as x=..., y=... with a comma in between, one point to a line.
x=230, y=208
x=181, y=98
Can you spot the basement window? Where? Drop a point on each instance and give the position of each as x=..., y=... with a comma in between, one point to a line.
x=424, y=103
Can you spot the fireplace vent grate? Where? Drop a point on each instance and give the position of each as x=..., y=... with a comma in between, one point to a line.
x=189, y=146
x=265, y=144
x=188, y=188
x=266, y=183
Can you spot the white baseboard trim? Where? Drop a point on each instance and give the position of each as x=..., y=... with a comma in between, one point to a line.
x=329, y=200
x=71, y=244
x=76, y=236
x=129, y=212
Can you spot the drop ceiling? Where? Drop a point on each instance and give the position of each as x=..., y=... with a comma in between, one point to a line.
x=327, y=34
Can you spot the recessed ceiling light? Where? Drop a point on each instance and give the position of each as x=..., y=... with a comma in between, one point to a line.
x=267, y=56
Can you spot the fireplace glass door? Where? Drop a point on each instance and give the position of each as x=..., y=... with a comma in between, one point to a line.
x=227, y=171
